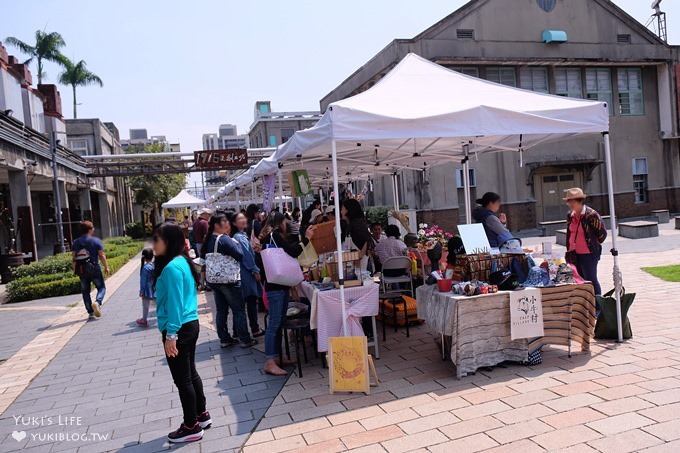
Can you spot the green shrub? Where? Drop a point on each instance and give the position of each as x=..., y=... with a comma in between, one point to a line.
x=377, y=214
x=135, y=230
x=53, y=276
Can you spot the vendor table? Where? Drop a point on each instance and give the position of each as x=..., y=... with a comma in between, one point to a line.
x=326, y=312
x=479, y=326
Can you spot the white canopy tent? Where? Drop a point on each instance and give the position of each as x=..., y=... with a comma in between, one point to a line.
x=183, y=200
x=421, y=112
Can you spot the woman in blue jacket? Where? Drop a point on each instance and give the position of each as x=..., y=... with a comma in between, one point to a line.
x=250, y=273
x=176, y=282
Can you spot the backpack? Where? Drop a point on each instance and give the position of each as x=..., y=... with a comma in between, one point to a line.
x=84, y=267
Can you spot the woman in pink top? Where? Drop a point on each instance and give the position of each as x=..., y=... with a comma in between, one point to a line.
x=585, y=234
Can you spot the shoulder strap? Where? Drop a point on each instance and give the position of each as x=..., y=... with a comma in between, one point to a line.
x=217, y=242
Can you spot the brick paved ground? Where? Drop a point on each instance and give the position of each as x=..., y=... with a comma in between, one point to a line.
x=112, y=375
x=617, y=398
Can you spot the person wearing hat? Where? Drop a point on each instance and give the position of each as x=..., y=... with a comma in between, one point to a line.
x=585, y=234
x=494, y=224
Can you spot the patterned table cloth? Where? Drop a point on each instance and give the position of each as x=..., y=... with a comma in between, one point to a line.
x=326, y=312
x=479, y=326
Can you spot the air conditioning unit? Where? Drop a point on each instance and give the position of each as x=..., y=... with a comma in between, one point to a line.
x=554, y=36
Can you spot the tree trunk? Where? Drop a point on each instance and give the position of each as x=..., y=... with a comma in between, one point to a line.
x=75, y=112
x=40, y=71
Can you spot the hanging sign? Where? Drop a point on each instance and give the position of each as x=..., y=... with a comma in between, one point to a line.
x=298, y=180
x=268, y=190
x=221, y=158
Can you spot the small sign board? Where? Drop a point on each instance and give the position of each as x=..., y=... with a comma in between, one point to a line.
x=230, y=159
x=298, y=180
x=348, y=364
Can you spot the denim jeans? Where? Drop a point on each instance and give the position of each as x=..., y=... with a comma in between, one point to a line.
x=184, y=374
x=278, y=306
x=586, y=265
x=230, y=297
x=251, y=308
x=85, y=288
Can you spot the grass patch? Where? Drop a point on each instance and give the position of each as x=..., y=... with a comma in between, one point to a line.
x=668, y=273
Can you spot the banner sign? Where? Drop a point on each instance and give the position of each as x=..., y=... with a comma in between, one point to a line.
x=526, y=314
x=268, y=191
x=298, y=180
x=221, y=158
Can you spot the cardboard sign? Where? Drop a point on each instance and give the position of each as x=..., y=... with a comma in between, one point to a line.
x=526, y=314
x=348, y=369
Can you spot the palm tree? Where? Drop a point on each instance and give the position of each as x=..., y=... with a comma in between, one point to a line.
x=77, y=75
x=46, y=47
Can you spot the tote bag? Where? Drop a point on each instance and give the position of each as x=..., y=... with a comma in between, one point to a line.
x=221, y=269
x=308, y=256
x=280, y=267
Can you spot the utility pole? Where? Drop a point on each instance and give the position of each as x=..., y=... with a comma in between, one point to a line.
x=57, y=194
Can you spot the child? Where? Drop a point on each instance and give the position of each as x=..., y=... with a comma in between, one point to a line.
x=146, y=290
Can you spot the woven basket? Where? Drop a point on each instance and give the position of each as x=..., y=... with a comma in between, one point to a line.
x=324, y=238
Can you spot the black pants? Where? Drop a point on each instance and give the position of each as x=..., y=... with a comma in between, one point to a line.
x=184, y=374
x=586, y=265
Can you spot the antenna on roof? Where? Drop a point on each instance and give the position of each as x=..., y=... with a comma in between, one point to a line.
x=660, y=20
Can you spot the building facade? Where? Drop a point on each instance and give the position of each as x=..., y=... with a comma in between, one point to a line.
x=271, y=129
x=139, y=139
x=29, y=117
x=588, y=49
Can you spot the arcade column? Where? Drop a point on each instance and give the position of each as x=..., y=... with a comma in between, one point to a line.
x=22, y=211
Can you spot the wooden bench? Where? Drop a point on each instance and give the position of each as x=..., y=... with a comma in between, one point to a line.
x=549, y=228
x=639, y=230
x=662, y=215
x=561, y=237
x=677, y=223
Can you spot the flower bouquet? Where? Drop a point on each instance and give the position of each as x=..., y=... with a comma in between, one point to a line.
x=430, y=236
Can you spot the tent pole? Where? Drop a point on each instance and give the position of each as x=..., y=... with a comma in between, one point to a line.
x=280, y=191
x=618, y=284
x=338, y=240
x=238, y=200
x=466, y=184
x=395, y=192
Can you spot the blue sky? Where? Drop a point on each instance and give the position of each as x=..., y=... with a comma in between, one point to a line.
x=180, y=68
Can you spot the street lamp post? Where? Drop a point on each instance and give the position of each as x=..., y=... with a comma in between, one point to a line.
x=57, y=194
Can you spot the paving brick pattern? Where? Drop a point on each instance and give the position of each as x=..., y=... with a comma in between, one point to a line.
x=617, y=398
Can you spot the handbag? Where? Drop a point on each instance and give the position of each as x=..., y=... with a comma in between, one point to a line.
x=606, y=327
x=308, y=256
x=221, y=269
x=279, y=267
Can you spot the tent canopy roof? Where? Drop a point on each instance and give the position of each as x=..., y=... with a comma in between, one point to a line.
x=183, y=200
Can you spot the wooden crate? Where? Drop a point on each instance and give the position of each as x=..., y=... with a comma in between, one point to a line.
x=324, y=238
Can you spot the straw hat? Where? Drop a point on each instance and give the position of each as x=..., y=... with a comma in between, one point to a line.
x=574, y=194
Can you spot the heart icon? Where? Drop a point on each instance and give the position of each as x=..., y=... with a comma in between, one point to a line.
x=19, y=435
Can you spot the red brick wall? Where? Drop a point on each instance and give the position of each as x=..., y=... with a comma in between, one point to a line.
x=447, y=219
x=626, y=206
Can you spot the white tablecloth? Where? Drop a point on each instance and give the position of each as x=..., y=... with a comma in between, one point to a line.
x=326, y=312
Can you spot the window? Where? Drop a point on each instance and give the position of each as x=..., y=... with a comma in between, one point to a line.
x=599, y=86
x=467, y=70
x=502, y=75
x=568, y=82
x=79, y=146
x=465, y=34
x=459, y=178
x=640, y=179
x=630, y=91
x=534, y=79
x=286, y=134
x=272, y=141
